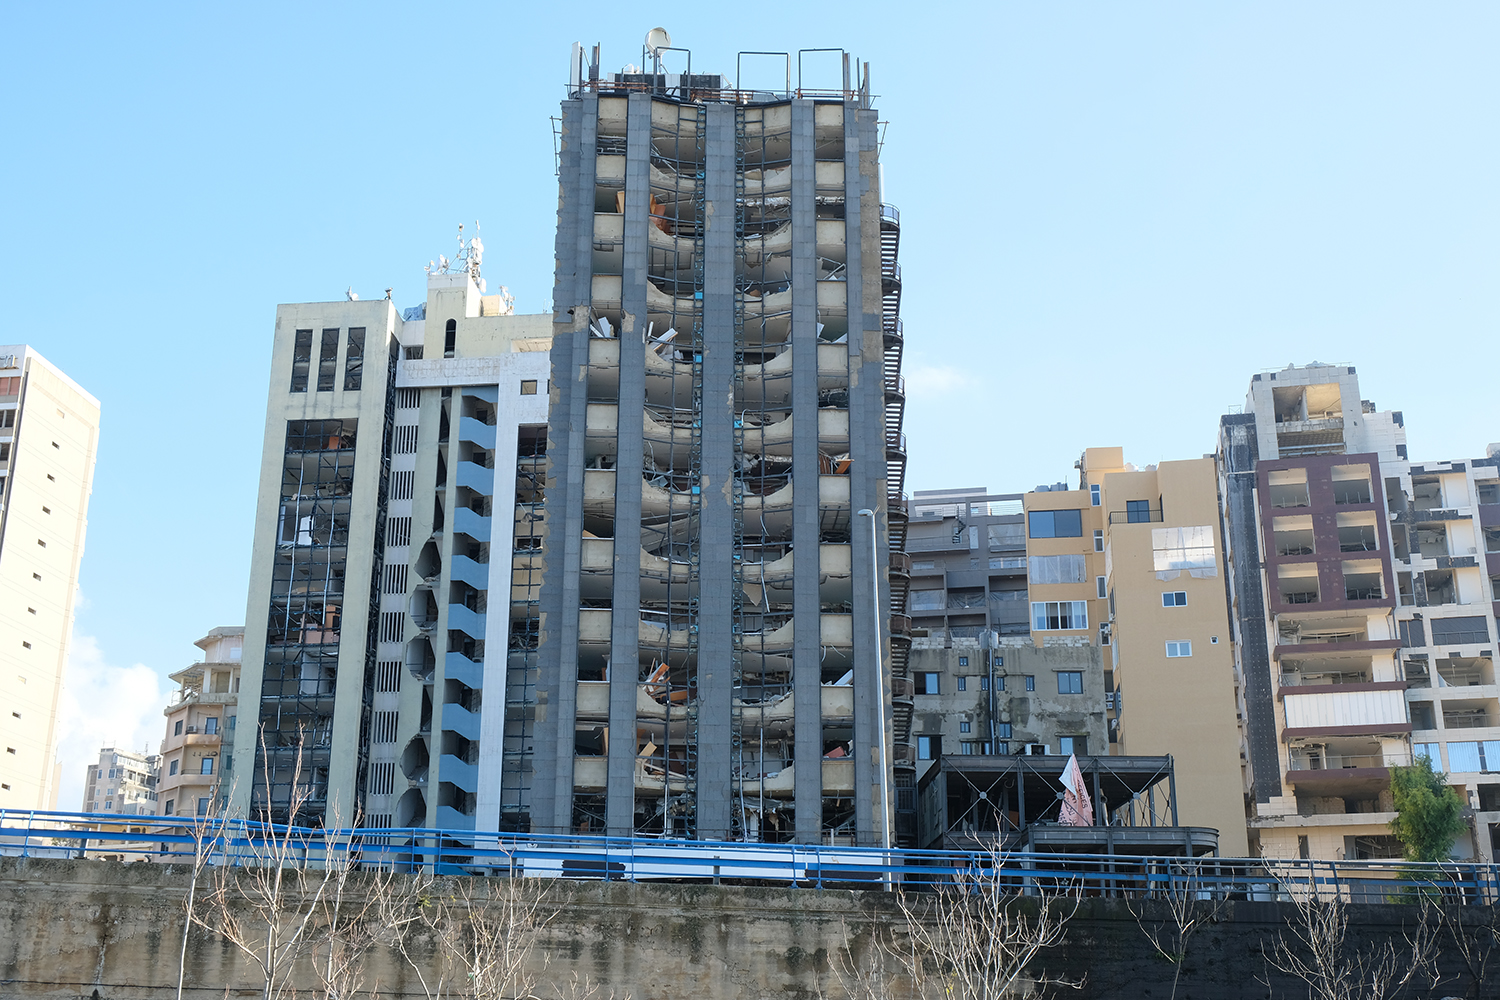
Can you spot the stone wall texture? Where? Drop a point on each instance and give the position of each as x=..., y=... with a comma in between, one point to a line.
x=71, y=928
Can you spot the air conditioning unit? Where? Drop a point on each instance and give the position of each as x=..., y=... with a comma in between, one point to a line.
x=190, y=730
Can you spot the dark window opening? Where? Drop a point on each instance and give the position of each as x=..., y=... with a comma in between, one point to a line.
x=301, y=359
x=354, y=359
x=328, y=360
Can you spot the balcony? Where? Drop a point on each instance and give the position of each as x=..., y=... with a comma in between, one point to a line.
x=1335, y=774
x=1365, y=710
x=1143, y=516
x=1467, y=717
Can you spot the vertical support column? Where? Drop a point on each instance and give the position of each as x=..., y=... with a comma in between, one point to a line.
x=625, y=629
x=715, y=604
x=807, y=697
x=867, y=454
x=557, y=686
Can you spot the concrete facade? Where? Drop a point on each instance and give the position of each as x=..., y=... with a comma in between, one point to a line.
x=49, y=433
x=122, y=783
x=716, y=654
x=1363, y=615
x=70, y=928
x=1050, y=697
x=968, y=563
x=201, y=722
x=398, y=450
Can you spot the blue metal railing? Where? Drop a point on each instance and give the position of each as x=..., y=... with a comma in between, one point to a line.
x=181, y=839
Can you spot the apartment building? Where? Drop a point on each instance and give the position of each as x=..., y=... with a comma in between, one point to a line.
x=968, y=564
x=1304, y=472
x=196, y=767
x=123, y=783
x=1129, y=568
x=980, y=684
x=1445, y=544
x=388, y=436
x=724, y=592
x=1168, y=651
x=49, y=431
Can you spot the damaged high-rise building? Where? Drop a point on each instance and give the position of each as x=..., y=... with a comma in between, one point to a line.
x=717, y=616
x=636, y=597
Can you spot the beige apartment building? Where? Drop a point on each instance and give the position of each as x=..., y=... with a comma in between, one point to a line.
x=201, y=723
x=1131, y=562
x=49, y=431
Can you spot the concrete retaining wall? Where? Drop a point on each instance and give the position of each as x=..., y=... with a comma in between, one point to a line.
x=68, y=928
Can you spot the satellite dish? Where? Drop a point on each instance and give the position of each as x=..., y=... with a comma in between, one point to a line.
x=656, y=40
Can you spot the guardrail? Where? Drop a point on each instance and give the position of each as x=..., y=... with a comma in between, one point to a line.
x=170, y=839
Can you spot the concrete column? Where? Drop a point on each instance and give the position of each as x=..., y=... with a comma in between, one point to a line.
x=624, y=643
x=867, y=466
x=806, y=607
x=715, y=604
x=557, y=684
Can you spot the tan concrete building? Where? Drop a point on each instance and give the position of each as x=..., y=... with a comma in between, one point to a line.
x=201, y=723
x=1131, y=562
x=1169, y=657
x=1121, y=647
x=49, y=431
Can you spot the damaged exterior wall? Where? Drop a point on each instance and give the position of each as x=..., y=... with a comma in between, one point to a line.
x=396, y=498
x=957, y=692
x=725, y=396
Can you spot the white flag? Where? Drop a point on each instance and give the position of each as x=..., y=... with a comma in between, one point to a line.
x=1077, y=808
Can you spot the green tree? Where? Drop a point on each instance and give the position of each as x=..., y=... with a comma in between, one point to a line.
x=1429, y=814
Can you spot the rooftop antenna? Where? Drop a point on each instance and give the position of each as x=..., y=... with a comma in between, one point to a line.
x=656, y=40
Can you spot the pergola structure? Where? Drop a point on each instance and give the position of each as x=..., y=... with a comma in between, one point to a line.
x=978, y=800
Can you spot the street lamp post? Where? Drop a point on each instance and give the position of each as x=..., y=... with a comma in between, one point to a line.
x=879, y=663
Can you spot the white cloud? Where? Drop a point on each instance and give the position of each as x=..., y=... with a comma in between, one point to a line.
x=103, y=704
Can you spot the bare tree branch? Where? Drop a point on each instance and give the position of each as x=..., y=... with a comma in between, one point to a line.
x=1314, y=949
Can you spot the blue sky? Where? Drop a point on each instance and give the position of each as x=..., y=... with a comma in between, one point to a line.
x=1112, y=215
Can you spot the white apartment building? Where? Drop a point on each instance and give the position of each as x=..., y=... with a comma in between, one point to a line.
x=388, y=677
x=1445, y=535
x=49, y=431
x=123, y=783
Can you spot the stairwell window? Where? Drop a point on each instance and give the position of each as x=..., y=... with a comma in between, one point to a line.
x=1094, y=495
x=1179, y=648
x=528, y=387
x=1174, y=599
